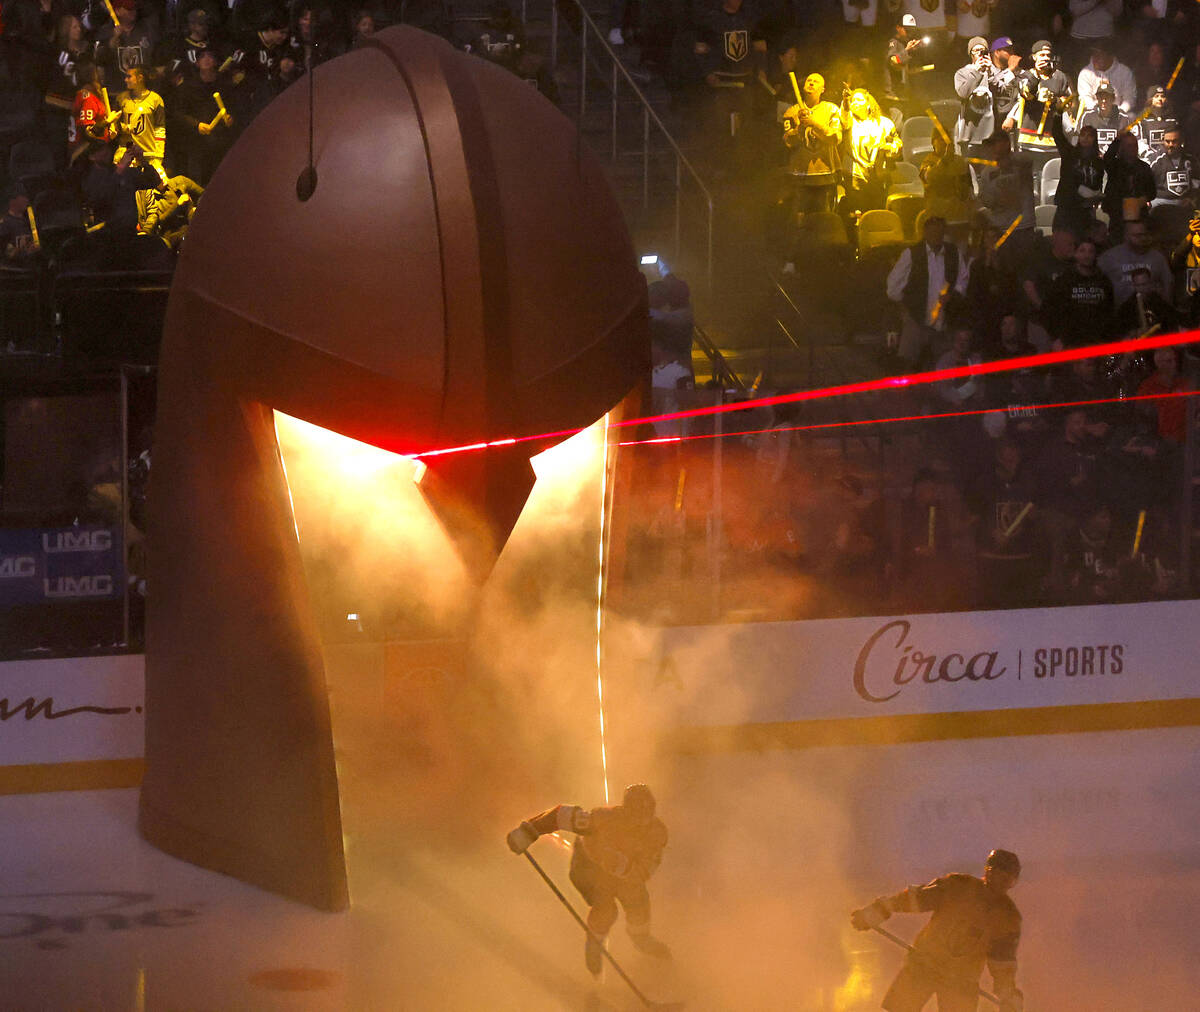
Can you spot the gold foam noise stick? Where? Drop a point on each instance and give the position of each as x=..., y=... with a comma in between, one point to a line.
x=1137, y=537
x=1045, y=113
x=226, y=65
x=1011, y=529
x=982, y=161
x=1140, y=116
x=679, y=489
x=937, y=306
x=795, y=87
x=33, y=225
x=932, y=524
x=107, y=104
x=1008, y=231
x=112, y=13
x=1175, y=74
x=221, y=113
x=937, y=123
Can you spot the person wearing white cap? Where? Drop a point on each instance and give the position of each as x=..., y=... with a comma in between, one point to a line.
x=900, y=52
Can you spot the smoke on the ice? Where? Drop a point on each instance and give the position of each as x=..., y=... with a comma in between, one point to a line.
x=488, y=712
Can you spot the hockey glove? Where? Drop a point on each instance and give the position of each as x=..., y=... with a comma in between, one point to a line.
x=870, y=917
x=1011, y=1001
x=520, y=839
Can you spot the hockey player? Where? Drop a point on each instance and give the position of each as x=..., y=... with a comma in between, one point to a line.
x=973, y=922
x=617, y=849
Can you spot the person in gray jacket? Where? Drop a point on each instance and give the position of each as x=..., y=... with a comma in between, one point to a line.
x=973, y=84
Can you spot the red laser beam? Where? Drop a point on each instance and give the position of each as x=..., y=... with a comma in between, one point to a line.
x=910, y=418
x=1133, y=344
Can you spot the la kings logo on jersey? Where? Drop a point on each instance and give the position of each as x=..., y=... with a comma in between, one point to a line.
x=1104, y=137
x=1177, y=180
x=737, y=44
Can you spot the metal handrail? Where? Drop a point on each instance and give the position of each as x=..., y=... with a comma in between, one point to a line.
x=648, y=116
x=723, y=373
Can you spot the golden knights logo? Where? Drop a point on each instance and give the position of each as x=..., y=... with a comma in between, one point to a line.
x=737, y=45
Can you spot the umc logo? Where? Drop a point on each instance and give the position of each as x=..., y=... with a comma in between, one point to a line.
x=737, y=45
x=77, y=541
x=78, y=586
x=12, y=566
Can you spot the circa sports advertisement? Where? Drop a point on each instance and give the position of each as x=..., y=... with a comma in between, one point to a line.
x=1006, y=672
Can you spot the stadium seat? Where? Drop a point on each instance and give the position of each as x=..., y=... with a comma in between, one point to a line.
x=1050, y=172
x=31, y=163
x=907, y=206
x=824, y=228
x=1044, y=215
x=946, y=110
x=906, y=179
x=919, y=223
x=917, y=136
x=880, y=228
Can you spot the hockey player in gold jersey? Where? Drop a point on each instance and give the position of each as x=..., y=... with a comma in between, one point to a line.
x=974, y=922
x=616, y=851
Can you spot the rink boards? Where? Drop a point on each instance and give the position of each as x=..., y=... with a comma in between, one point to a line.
x=915, y=678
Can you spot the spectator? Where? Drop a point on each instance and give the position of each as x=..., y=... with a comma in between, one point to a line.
x=926, y=560
x=1078, y=305
x=671, y=318
x=873, y=143
x=992, y=290
x=812, y=131
x=1067, y=470
x=1170, y=413
x=1044, y=93
x=1006, y=193
x=89, y=116
x=1043, y=264
x=73, y=45
x=729, y=45
x=1187, y=256
x=130, y=42
x=901, y=50
x=1128, y=184
x=967, y=391
x=947, y=179
x=922, y=282
x=1002, y=506
x=1146, y=311
x=1005, y=86
x=1104, y=67
x=1087, y=565
x=16, y=236
x=179, y=54
x=204, y=132
x=1119, y=263
x=1105, y=118
x=1159, y=119
x=1080, y=179
x=973, y=83
x=1093, y=21
x=142, y=121
x=1177, y=185
x=164, y=212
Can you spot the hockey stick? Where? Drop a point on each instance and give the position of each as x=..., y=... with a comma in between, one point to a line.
x=932, y=965
x=588, y=931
